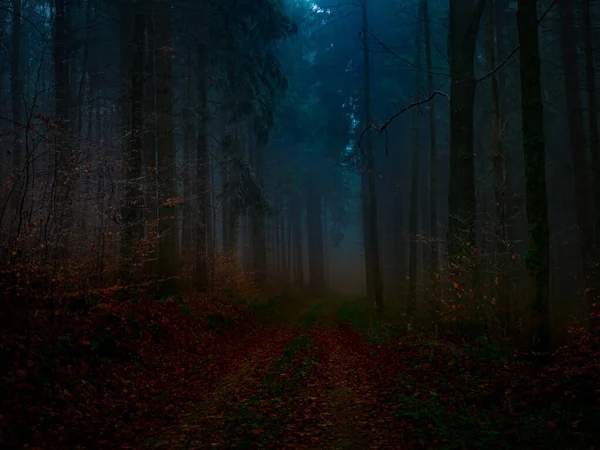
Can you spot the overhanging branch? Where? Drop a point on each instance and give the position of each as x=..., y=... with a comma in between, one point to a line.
x=381, y=128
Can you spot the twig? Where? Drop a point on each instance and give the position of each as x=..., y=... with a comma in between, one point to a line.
x=381, y=128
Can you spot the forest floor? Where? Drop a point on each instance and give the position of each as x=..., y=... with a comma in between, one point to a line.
x=287, y=373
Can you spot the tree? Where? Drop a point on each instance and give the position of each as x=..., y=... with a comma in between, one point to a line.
x=414, y=184
x=15, y=85
x=500, y=234
x=465, y=17
x=568, y=38
x=368, y=187
x=590, y=76
x=537, y=259
x=168, y=229
x=133, y=231
x=433, y=225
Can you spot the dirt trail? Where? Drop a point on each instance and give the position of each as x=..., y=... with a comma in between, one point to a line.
x=203, y=423
x=300, y=384
x=357, y=415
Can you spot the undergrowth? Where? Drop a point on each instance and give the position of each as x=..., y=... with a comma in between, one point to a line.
x=92, y=369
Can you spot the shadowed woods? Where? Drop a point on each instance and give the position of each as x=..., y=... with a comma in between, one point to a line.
x=287, y=372
x=169, y=167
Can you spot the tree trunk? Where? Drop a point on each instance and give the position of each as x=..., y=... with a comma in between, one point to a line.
x=168, y=230
x=501, y=244
x=577, y=136
x=62, y=105
x=283, y=242
x=188, y=206
x=464, y=26
x=202, y=175
x=414, y=184
x=537, y=259
x=590, y=75
x=432, y=146
x=259, y=238
x=149, y=140
x=133, y=230
x=15, y=88
x=326, y=244
x=314, y=229
x=372, y=262
x=296, y=230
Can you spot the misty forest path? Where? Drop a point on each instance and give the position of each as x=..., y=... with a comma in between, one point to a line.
x=306, y=380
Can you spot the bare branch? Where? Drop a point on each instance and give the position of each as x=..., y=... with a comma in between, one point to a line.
x=513, y=51
x=381, y=128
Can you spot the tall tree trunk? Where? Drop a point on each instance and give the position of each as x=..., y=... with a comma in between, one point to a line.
x=149, y=150
x=202, y=175
x=259, y=238
x=168, y=230
x=414, y=183
x=132, y=158
x=432, y=145
x=399, y=243
x=372, y=263
x=16, y=87
x=590, y=75
x=188, y=206
x=501, y=244
x=283, y=242
x=62, y=106
x=465, y=18
x=325, y=244
x=296, y=230
x=277, y=238
x=577, y=137
x=314, y=229
x=537, y=259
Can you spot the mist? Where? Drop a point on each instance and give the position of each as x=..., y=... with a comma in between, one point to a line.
x=210, y=204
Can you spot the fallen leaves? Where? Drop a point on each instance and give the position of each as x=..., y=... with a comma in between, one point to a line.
x=149, y=374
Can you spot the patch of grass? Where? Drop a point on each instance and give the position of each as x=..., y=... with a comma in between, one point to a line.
x=448, y=424
x=259, y=421
x=219, y=323
x=365, y=319
x=358, y=314
x=310, y=318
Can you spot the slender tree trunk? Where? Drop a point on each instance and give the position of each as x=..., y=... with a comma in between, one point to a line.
x=314, y=229
x=372, y=262
x=132, y=158
x=577, y=138
x=537, y=257
x=149, y=139
x=399, y=243
x=168, y=243
x=283, y=242
x=259, y=238
x=501, y=244
x=590, y=75
x=433, y=225
x=188, y=206
x=414, y=184
x=15, y=87
x=296, y=225
x=464, y=26
x=202, y=175
x=325, y=244
x=277, y=238
x=62, y=106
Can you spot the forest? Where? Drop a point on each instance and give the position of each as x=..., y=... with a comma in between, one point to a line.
x=345, y=224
